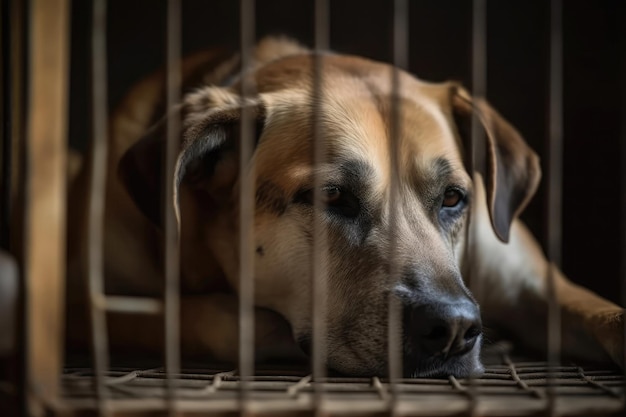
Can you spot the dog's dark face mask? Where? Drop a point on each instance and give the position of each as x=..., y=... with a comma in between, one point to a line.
x=392, y=225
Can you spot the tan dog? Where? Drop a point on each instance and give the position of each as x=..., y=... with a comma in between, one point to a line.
x=441, y=323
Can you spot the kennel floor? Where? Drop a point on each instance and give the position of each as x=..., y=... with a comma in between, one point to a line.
x=510, y=386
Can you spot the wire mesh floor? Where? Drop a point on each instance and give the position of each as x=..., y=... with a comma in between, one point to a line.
x=509, y=387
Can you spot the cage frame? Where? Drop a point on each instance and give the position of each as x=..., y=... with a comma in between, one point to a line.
x=45, y=191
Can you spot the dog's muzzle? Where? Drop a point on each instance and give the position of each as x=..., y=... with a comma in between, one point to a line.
x=442, y=338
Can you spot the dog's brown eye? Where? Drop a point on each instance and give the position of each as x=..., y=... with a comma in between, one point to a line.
x=451, y=198
x=331, y=194
x=341, y=201
x=337, y=201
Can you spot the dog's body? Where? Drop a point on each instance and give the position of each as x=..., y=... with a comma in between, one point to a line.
x=428, y=218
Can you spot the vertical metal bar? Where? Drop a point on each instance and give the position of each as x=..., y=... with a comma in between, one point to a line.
x=554, y=197
x=45, y=201
x=95, y=283
x=319, y=272
x=171, y=227
x=5, y=125
x=555, y=149
x=400, y=62
x=247, y=205
x=17, y=53
x=479, y=83
x=622, y=183
x=18, y=188
x=477, y=149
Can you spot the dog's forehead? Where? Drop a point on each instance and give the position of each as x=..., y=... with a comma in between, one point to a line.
x=355, y=116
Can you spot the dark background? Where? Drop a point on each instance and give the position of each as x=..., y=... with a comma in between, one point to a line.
x=440, y=49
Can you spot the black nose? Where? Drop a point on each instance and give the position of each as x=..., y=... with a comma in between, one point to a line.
x=443, y=329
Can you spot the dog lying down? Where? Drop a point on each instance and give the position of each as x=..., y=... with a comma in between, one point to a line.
x=441, y=323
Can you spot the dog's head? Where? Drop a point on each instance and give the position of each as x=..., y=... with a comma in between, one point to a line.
x=405, y=242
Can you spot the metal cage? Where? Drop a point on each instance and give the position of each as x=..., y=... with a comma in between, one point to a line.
x=36, y=381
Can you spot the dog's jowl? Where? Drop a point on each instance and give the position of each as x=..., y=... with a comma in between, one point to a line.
x=394, y=231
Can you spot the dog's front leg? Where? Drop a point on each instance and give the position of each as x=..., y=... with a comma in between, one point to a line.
x=512, y=288
x=209, y=329
x=210, y=324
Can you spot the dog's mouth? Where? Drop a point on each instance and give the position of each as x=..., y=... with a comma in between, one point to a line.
x=413, y=365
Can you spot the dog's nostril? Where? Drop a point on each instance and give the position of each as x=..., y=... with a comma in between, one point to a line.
x=472, y=333
x=437, y=332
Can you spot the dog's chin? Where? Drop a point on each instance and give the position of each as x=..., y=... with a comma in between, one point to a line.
x=462, y=367
x=437, y=369
x=466, y=366
x=348, y=361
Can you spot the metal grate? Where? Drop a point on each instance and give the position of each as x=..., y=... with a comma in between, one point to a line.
x=510, y=386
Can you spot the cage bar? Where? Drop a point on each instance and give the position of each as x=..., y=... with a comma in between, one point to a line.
x=45, y=199
x=97, y=195
x=171, y=223
x=319, y=270
x=17, y=52
x=524, y=386
x=555, y=142
x=479, y=92
x=134, y=305
x=477, y=152
x=16, y=208
x=5, y=125
x=247, y=205
x=554, y=194
x=394, y=325
x=622, y=183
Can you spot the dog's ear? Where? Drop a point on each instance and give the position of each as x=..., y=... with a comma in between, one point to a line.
x=512, y=170
x=208, y=157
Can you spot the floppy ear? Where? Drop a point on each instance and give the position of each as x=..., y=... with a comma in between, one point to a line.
x=208, y=158
x=512, y=167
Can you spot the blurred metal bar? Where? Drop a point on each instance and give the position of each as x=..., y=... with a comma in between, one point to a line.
x=622, y=185
x=555, y=144
x=17, y=53
x=479, y=89
x=394, y=324
x=479, y=92
x=132, y=305
x=247, y=204
x=97, y=186
x=479, y=56
x=319, y=271
x=554, y=193
x=476, y=148
x=45, y=199
x=5, y=124
x=476, y=154
x=171, y=226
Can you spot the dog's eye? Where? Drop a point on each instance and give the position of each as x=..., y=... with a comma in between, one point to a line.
x=332, y=194
x=341, y=202
x=338, y=201
x=452, y=197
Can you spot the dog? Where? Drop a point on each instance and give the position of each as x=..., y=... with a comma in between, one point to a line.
x=436, y=199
